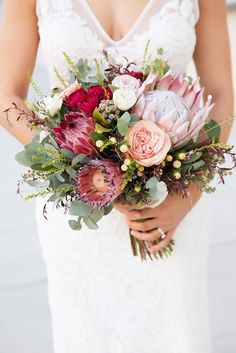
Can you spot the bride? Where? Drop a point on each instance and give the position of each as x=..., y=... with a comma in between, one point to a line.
x=102, y=299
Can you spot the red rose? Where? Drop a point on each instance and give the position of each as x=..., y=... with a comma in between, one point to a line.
x=87, y=101
x=135, y=74
x=75, y=98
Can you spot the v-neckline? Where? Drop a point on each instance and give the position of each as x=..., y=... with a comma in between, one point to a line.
x=128, y=33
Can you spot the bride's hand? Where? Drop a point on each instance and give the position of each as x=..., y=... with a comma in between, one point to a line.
x=166, y=216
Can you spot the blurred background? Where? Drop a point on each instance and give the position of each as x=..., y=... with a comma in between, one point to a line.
x=24, y=313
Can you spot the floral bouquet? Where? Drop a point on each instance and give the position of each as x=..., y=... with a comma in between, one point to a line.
x=115, y=134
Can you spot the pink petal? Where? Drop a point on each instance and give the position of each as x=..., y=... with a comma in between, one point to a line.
x=180, y=121
x=147, y=84
x=168, y=120
x=197, y=102
x=179, y=85
x=148, y=113
x=190, y=94
x=138, y=109
x=165, y=81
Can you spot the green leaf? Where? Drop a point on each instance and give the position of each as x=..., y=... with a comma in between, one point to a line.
x=96, y=214
x=60, y=177
x=198, y=164
x=75, y=225
x=67, y=153
x=96, y=136
x=71, y=172
x=125, y=117
x=98, y=117
x=78, y=159
x=193, y=158
x=122, y=124
x=24, y=158
x=41, y=168
x=79, y=208
x=90, y=223
x=212, y=128
x=100, y=129
x=107, y=210
x=122, y=127
x=133, y=119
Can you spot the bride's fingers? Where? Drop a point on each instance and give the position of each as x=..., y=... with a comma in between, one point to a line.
x=144, y=226
x=153, y=235
x=163, y=243
x=123, y=207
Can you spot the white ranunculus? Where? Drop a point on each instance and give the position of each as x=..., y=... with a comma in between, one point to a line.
x=124, y=98
x=126, y=81
x=52, y=106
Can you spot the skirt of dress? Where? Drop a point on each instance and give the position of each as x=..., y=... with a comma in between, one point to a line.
x=105, y=300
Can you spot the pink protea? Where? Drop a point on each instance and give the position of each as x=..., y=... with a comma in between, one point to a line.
x=99, y=182
x=175, y=104
x=74, y=133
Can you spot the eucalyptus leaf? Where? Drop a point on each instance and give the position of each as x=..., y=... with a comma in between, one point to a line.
x=71, y=172
x=60, y=177
x=53, y=198
x=78, y=159
x=24, y=158
x=68, y=154
x=90, y=223
x=96, y=214
x=125, y=117
x=122, y=127
x=75, y=225
x=79, y=208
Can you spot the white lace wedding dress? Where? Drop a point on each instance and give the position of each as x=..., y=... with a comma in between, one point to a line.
x=102, y=299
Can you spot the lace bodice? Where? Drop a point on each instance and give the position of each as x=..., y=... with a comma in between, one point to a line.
x=71, y=26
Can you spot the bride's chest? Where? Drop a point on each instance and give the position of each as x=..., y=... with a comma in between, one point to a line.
x=62, y=28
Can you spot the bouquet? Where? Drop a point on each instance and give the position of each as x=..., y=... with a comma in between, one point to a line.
x=113, y=133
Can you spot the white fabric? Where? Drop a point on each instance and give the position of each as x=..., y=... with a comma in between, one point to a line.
x=102, y=299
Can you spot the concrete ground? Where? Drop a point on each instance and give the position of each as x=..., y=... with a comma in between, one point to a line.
x=24, y=313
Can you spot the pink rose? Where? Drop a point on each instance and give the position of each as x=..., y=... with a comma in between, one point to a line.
x=69, y=90
x=149, y=143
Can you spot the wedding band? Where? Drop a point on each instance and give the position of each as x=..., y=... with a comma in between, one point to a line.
x=163, y=235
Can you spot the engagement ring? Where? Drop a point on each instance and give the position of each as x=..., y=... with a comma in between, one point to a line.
x=163, y=235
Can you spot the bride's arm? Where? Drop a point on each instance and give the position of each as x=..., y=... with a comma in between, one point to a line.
x=18, y=47
x=212, y=60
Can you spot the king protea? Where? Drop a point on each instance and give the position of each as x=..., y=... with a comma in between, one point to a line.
x=73, y=134
x=99, y=182
x=175, y=104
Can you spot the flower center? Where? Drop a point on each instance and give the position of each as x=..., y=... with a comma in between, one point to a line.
x=99, y=181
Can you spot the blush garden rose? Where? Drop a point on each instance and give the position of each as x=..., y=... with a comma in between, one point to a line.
x=149, y=143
